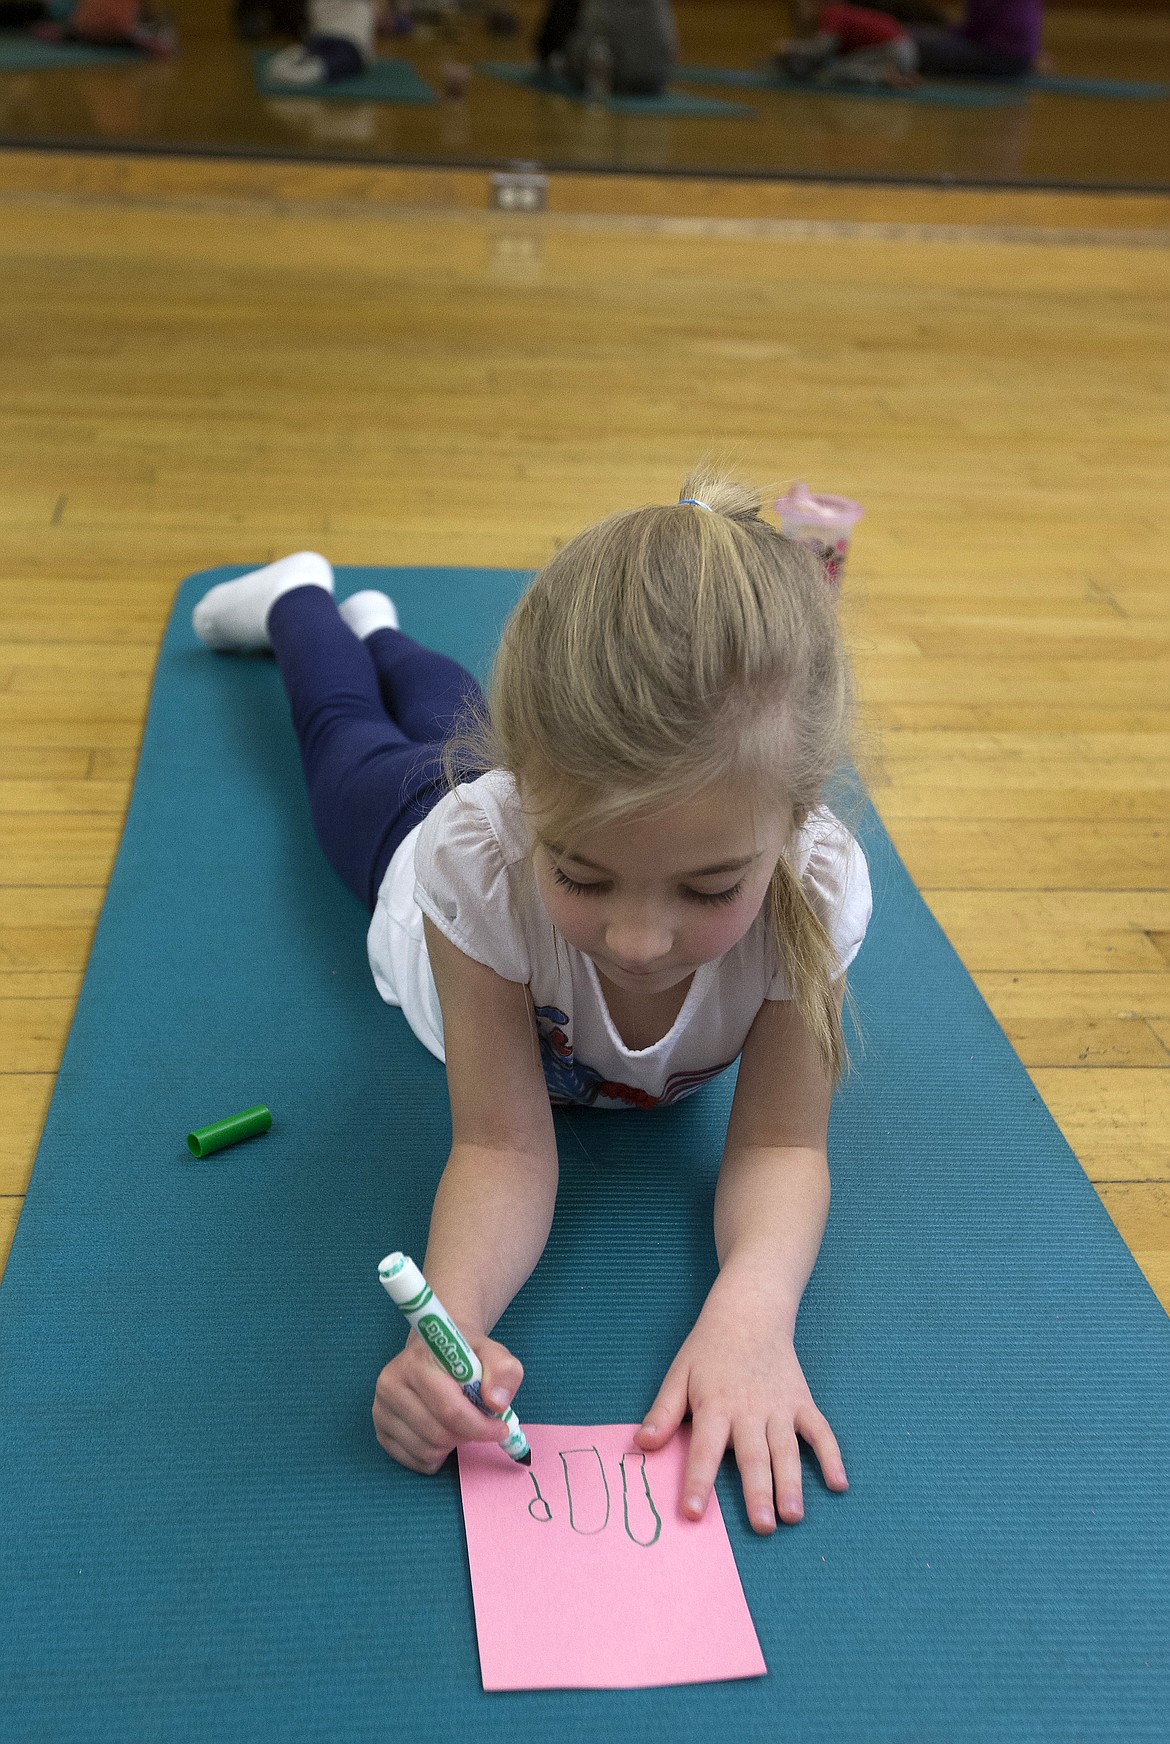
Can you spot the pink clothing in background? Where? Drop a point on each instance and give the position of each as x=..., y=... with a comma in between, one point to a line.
x=858, y=26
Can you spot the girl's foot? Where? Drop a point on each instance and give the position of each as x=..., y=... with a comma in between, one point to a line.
x=234, y=614
x=368, y=611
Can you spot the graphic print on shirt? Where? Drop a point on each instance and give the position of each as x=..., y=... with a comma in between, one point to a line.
x=570, y=1080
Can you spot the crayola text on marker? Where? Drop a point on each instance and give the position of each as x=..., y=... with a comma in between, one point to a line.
x=405, y=1285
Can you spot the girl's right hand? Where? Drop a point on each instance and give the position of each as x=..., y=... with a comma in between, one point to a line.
x=420, y=1413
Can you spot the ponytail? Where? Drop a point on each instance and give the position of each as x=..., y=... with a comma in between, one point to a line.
x=808, y=960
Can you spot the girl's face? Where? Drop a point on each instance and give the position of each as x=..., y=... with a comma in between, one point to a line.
x=650, y=899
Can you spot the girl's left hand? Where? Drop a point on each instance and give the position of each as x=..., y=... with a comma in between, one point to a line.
x=746, y=1390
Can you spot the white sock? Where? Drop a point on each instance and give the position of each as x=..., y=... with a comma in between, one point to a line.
x=234, y=614
x=368, y=611
x=296, y=65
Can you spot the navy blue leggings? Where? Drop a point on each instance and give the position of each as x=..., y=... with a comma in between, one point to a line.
x=370, y=718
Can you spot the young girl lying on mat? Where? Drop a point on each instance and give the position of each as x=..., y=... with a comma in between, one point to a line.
x=643, y=887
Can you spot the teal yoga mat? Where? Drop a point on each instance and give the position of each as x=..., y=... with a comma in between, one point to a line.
x=24, y=54
x=1063, y=85
x=200, y=1539
x=669, y=103
x=384, y=81
x=945, y=93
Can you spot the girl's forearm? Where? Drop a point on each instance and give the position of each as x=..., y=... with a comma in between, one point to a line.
x=771, y=1207
x=490, y=1221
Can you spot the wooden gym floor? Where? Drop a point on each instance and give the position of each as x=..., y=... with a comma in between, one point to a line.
x=206, y=100
x=212, y=363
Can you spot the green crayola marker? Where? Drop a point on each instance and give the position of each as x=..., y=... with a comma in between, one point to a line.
x=405, y=1284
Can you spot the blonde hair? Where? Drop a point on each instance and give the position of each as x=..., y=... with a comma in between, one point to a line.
x=660, y=651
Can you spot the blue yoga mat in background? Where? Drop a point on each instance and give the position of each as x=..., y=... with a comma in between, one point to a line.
x=1127, y=90
x=956, y=93
x=20, y=53
x=384, y=81
x=666, y=103
x=200, y=1538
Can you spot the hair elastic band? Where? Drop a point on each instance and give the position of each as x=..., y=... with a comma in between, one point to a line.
x=697, y=504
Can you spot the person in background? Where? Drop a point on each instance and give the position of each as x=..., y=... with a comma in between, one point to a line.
x=843, y=44
x=338, y=44
x=256, y=19
x=997, y=39
x=628, y=47
x=916, y=12
x=106, y=23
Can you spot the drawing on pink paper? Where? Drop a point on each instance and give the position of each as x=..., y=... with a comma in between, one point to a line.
x=584, y=1573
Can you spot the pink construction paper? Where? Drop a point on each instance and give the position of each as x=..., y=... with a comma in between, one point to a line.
x=623, y=1594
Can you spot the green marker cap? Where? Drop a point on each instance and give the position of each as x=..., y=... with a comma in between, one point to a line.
x=228, y=1132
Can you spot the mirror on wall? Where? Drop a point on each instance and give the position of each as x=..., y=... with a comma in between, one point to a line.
x=986, y=92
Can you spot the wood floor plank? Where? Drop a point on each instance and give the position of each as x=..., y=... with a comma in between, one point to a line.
x=24, y=1102
x=1142, y=1216
x=1075, y=720
x=44, y=797
x=9, y=1214
x=1116, y=1119
x=1055, y=804
x=1025, y=930
x=1128, y=683
x=1072, y=1019
x=42, y=983
x=33, y=1033
x=38, y=763
x=58, y=847
x=1017, y=752
x=1063, y=638
x=113, y=765
x=49, y=907
x=1071, y=773
x=48, y=723
x=988, y=854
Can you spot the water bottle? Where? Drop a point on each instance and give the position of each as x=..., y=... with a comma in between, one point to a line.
x=599, y=70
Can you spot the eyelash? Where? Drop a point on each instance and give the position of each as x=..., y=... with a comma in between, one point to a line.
x=577, y=889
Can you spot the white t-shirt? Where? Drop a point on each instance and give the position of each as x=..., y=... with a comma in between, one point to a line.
x=467, y=867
